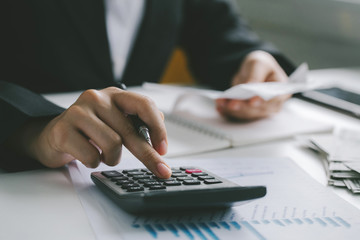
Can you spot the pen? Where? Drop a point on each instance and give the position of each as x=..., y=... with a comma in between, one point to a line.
x=137, y=122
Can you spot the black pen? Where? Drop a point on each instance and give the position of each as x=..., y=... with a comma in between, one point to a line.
x=138, y=123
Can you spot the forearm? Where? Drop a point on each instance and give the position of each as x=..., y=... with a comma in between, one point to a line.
x=19, y=150
x=22, y=114
x=22, y=141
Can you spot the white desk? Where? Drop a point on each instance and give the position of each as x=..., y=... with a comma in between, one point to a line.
x=43, y=204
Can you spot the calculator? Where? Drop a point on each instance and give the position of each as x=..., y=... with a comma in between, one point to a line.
x=139, y=190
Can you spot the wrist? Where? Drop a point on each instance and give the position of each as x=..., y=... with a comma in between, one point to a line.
x=25, y=140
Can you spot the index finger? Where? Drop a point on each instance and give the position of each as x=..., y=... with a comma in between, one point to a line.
x=138, y=146
x=136, y=104
x=145, y=109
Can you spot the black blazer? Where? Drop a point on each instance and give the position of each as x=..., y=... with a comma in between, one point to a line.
x=62, y=45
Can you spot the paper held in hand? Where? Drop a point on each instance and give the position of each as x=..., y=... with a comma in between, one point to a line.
x=298, y=82
x=193, y=122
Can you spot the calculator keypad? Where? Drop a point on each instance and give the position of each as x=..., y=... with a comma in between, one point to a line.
x=137, y=180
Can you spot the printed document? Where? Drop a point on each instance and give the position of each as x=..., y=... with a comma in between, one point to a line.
x=295, y=207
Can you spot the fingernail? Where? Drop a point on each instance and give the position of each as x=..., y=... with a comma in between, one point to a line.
x=220, y=104
x=256, y=103
x=163, y=170
x=235, y=106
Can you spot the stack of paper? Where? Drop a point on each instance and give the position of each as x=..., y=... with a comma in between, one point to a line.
x=341, y=154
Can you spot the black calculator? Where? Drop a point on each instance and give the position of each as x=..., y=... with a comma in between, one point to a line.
x=139, y=190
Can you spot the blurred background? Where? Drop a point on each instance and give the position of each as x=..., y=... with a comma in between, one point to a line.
x=324, y=33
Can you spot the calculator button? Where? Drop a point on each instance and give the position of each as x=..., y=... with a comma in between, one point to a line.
x=157, y=187
x=164, y=179
x=205, y=177
x=145, y=180
x=193, y=171
x=212, y=181
x=172, y=183
x=141, y=177
x=191, y=182
x=135, y=173
x=184, y=178
x=198, y=174
x=110, y=174
x=179, y=175
x=130, y=170
x=148, y=184
x=127, y=185
x=146, y=170
x=184, y=168
x=114, y=179
x=175, y=170
x=121, y=182
x=135, y=189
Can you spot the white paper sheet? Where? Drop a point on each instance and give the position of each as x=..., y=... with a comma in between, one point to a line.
x=298, y=82
x=295, y=207
x=342, y=146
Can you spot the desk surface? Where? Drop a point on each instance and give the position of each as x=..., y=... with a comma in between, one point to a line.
x=43, y=204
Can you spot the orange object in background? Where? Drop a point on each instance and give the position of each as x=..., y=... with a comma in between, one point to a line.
x=177, y=71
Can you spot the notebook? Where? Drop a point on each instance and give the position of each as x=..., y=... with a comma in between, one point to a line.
x=194, y=126
x=186, y=140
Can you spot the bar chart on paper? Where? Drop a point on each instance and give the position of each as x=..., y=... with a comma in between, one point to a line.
x=295, y=207
x=214, y=230
x=202, y=230
x=233, y=226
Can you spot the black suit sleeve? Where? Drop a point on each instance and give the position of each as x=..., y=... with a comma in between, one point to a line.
x=216, y=39
x=19, y=105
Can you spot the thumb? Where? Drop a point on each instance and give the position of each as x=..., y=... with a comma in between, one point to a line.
x=253, y=69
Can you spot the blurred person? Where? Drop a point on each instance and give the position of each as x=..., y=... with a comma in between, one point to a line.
x=68, y=45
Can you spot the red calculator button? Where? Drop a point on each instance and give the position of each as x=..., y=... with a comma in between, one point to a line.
x=193, y=171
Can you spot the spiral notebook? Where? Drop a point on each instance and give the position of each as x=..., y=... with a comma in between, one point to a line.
x=191, y=133
x=194, y=126
x=186, y=140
